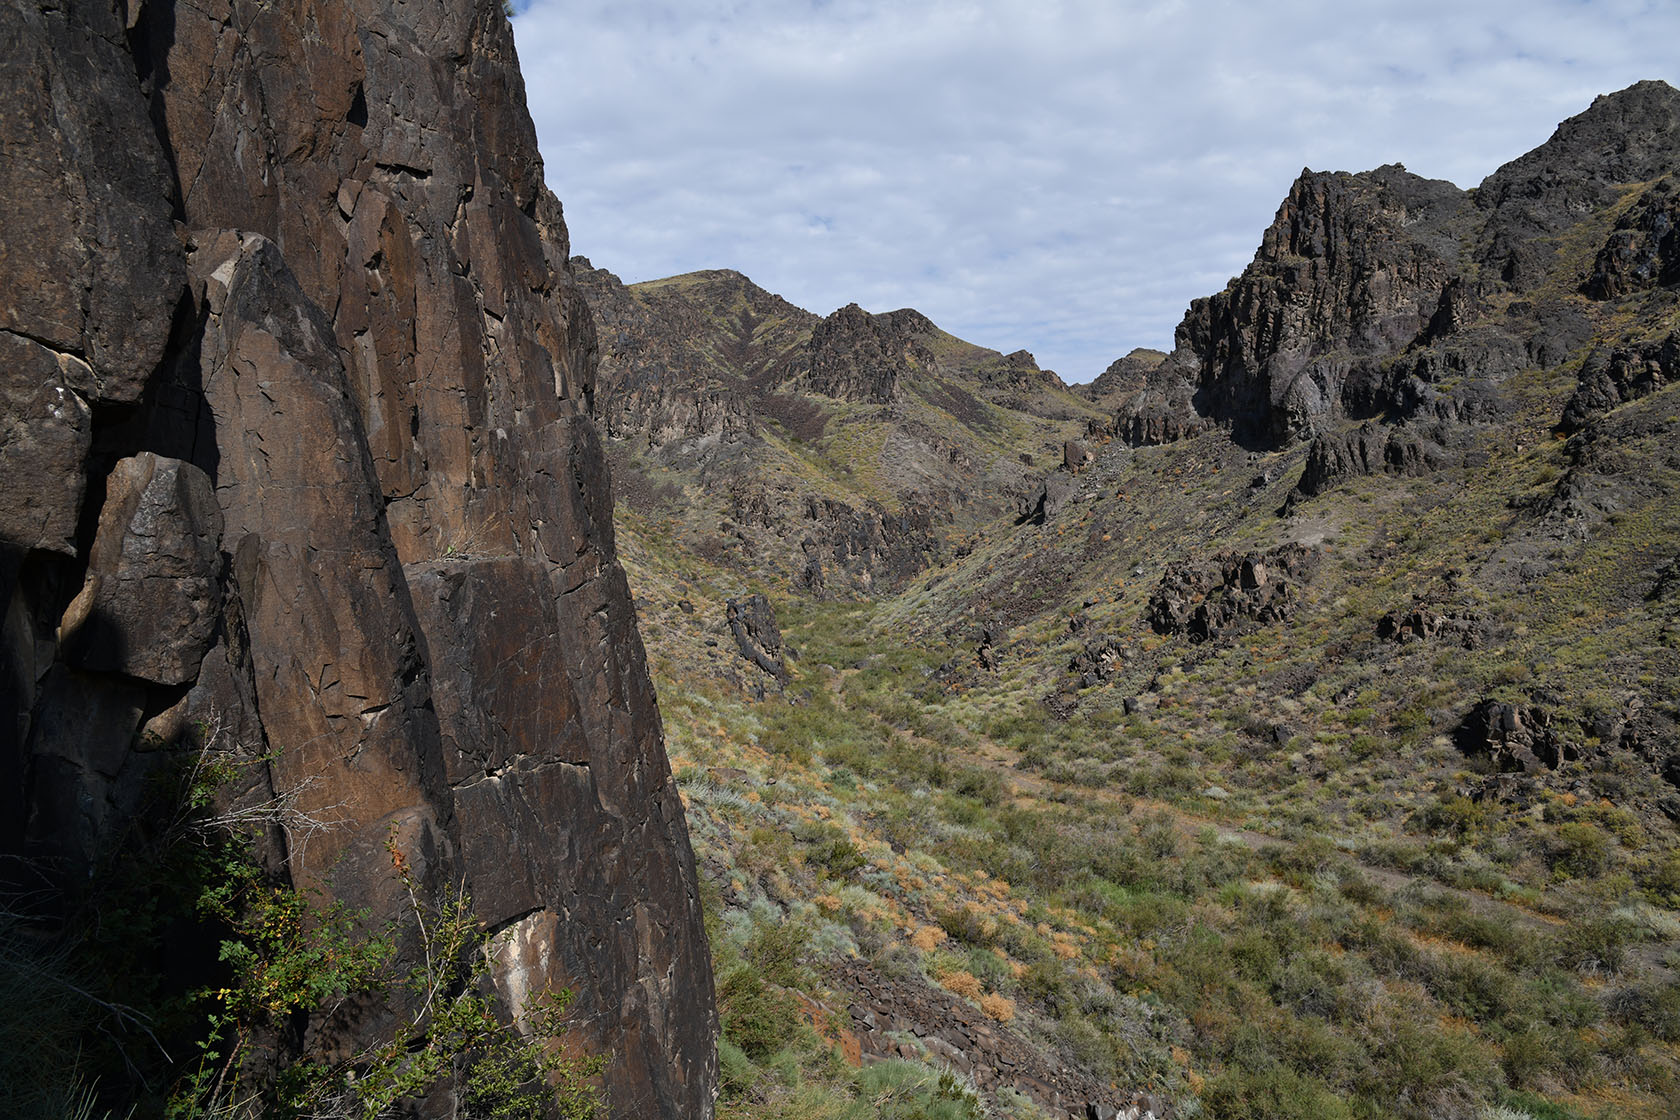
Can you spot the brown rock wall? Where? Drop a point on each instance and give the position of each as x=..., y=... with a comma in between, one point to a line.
x=405, y=585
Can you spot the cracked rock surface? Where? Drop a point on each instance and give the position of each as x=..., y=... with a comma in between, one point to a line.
x=296, y=411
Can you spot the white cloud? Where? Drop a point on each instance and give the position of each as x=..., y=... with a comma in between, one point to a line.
x=1060, y=175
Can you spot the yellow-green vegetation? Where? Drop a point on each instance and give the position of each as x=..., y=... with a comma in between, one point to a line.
x=1274, y=889
x=1147, y=932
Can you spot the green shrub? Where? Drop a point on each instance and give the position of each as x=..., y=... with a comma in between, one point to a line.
x=1451, y=815
x=1580, y=849
x=829, y=849
x=756, y=1017
x=1595, y=942
x=969, y=925
x=737, y=1075
x=777, y=951
x=267, y=958
x=899, y=1090
x=1242, y=1094
x=1660, y=880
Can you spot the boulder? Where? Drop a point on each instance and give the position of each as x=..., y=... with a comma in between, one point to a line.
x=150, y=601
x=757, y=636
x=1042, y=506
x=1518, y=738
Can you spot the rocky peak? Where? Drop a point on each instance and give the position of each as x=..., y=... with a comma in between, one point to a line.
x=1631, y=136
x=1352, y=265
x=1625, y=137
x=1017, y=377
x=1384, y=294
x=685, y=360
x=856, y=356
x=1123, y=377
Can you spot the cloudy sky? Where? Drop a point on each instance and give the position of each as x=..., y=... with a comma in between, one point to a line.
x=1059, y=175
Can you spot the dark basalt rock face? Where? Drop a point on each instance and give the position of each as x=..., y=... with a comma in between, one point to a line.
x=1517, y=738
x=1644, y=249
x=1041, y=506
x=1626, y=137
x=1352, y=268
x=856, y=356
x=312, y=462
x=1370, y=449
x=92, y=266
x=865, y=545
x=1620, y=375
x=150, y=600
x=1204, y=599
x=757, y=636
x=1423, y=621
x=1386, y=295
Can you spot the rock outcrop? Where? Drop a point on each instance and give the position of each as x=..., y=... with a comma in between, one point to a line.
x=856, y=356
x=1517, y=738
x=1618, y=375
x=1385, y=295
x=1123, y=377
x=864, y=546
x=1423, y=621
x=1203, y=600
x=757, y=636
x=1644, y=249
x=297, y=437
x=1351, y=269
x=887, y=1018
x=1626, y=137
x=1370, y=449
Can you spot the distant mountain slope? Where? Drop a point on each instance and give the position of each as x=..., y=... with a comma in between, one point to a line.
x=837, y=455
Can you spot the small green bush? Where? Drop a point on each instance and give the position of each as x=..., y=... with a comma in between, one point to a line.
x=1580, y=850
x=756, y=1018
x=1242, y=1094
x=899, y=1090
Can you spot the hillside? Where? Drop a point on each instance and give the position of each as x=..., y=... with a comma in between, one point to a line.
x=837, y=455
x=1308, y=748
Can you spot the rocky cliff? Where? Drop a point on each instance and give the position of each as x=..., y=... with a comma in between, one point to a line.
x=298, y=445
x=1386, y=296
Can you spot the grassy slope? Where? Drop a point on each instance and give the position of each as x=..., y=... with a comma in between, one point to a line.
x=1265, y=892
x=1340, y=927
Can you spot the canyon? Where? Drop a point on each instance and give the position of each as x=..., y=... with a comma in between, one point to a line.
x=1279, y=721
